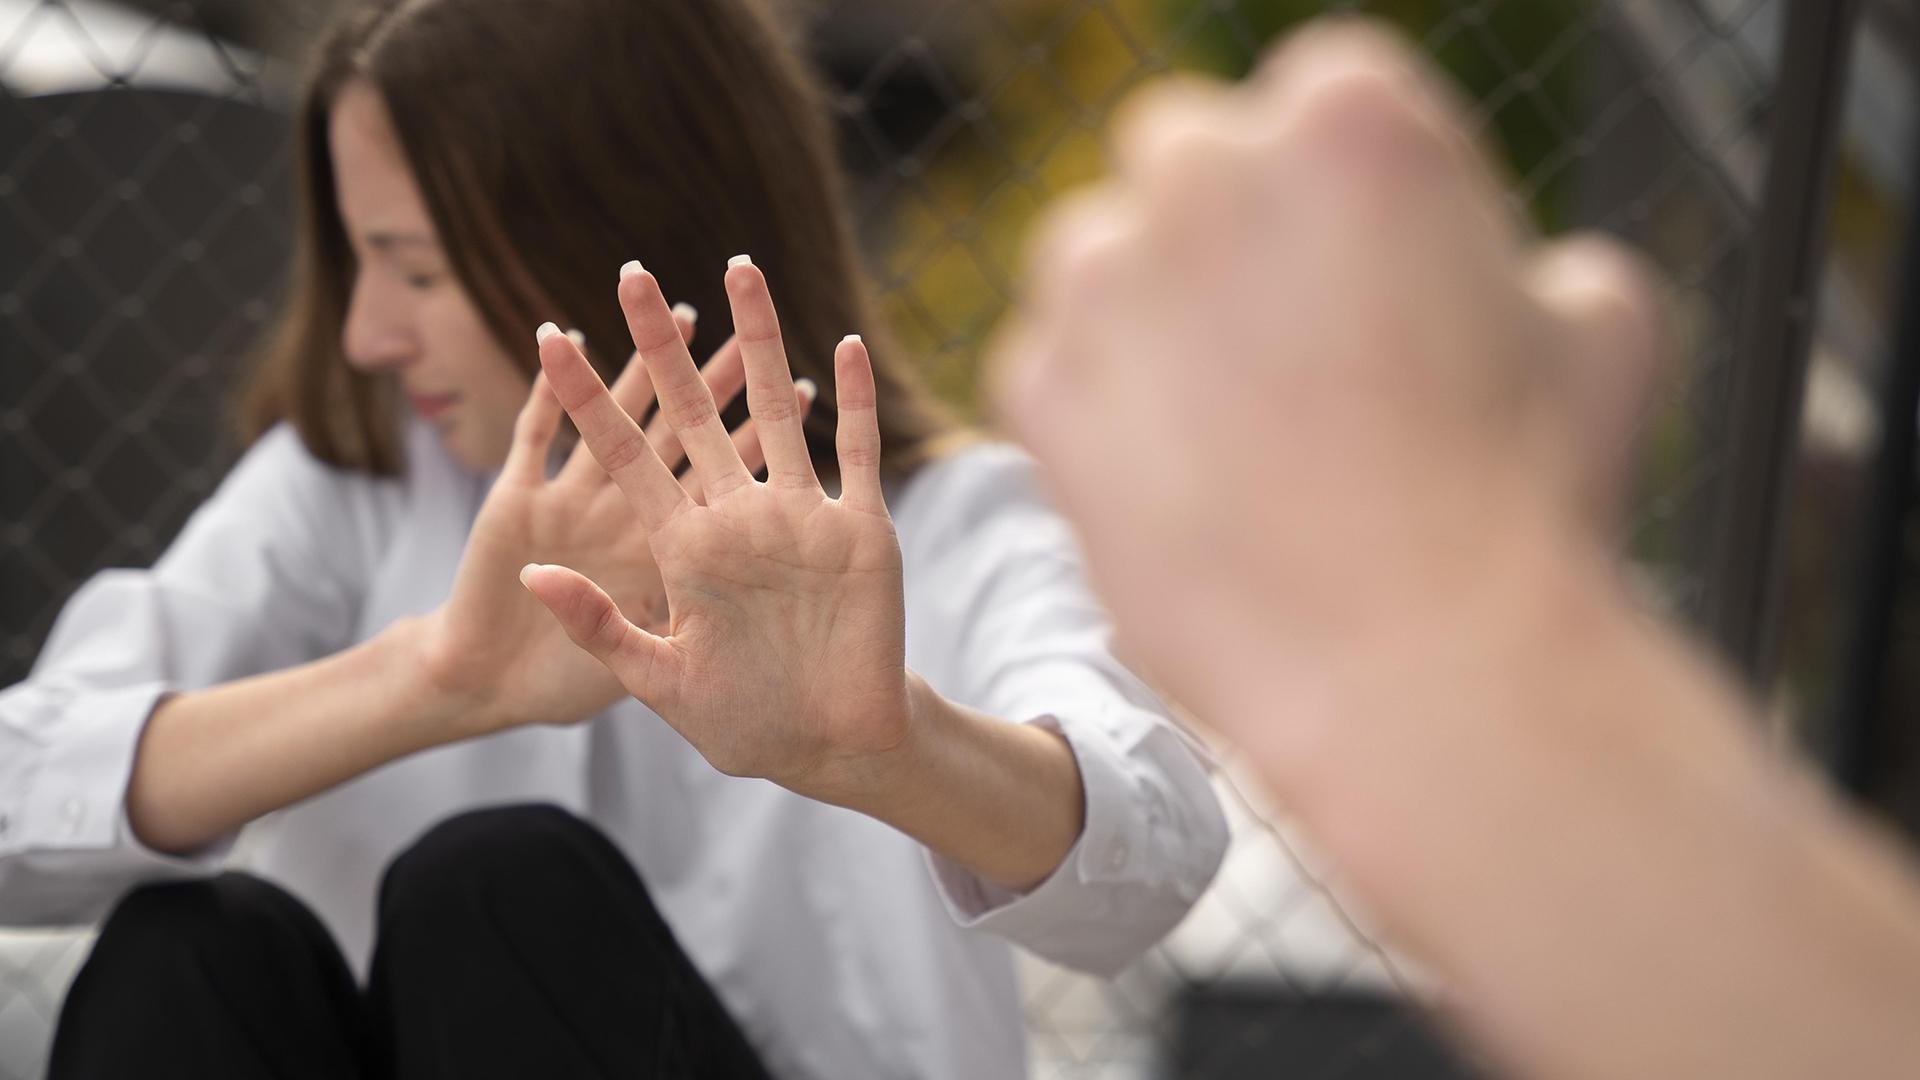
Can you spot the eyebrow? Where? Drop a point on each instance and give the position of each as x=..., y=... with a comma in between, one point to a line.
x=387, y=241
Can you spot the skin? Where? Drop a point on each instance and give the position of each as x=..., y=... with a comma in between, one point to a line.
x=408, y=316
x=1409, y=616
x=1002, y=800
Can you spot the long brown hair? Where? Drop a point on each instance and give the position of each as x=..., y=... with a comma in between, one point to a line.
x=553, y=141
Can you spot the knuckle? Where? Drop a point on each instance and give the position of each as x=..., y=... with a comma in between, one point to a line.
x=686, y=412
x=860, y=453
x=1149, y=117
x=620, y=453
x=608, y=628
x=1360, y=105
x=775, y=407
x=1611, y=286
x=1075, y=255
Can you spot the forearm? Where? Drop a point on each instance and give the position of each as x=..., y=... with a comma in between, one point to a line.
x=1002, y=800
x=1573, y=819
x=211, y=760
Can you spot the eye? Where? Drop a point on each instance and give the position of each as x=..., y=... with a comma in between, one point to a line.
x=422, y=281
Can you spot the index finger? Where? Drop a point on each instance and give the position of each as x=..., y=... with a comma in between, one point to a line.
x=685, y=402
x=607, y=430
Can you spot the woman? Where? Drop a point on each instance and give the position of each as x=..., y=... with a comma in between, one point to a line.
x=337, y=653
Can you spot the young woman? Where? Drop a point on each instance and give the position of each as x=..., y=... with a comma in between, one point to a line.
x=438, y=789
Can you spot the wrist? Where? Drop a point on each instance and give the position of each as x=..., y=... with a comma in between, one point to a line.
x=1002, y=800
x=876, y=779
x=440, y=701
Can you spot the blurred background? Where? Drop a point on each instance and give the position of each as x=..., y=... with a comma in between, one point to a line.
x=1760, y=150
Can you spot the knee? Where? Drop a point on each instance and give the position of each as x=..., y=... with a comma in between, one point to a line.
x=473, y=853
x=204, y=917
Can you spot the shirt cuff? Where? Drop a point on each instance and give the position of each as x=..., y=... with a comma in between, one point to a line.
x=67, y=849
x=1066, y=916
x=77, y=796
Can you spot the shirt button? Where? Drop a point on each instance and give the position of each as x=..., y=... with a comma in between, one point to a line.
x=72, y=810
x=1117, y=856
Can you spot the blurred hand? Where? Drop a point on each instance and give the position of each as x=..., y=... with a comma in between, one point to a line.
x=783, y=655
x=490, y=649
x=1300, y=377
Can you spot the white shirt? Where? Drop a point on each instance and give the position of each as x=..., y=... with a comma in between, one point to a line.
x=843, y=947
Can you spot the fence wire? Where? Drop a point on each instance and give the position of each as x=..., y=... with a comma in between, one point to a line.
x=144, y=228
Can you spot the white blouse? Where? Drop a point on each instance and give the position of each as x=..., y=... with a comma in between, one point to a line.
x=844, y=948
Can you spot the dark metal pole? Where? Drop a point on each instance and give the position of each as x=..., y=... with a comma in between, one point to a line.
x=1860, y=721
x=1776, y=332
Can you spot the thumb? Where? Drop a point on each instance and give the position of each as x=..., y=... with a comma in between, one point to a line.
x=1613, y=347
x=643, y=662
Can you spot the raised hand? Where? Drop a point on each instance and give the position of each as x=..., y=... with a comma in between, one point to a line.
x=1375, y=400
x=783, y=655
x=495, y=655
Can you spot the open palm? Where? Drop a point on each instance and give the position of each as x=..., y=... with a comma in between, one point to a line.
x=784, y=651
x=492, y=643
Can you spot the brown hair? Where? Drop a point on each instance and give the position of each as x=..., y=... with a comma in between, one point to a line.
x=551, y=143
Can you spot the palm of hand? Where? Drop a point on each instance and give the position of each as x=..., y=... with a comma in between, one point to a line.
x=788, y=625
x=491, y=649
x=493, y=635
x=784, y=654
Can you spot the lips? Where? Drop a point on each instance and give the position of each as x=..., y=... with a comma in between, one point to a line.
x=429, y=406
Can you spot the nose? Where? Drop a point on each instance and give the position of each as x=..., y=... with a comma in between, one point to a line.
x=378, y=335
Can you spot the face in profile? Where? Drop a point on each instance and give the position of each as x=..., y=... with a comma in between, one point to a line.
x=408, y=316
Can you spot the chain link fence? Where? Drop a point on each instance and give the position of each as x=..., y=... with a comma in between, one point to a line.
x=144, y=227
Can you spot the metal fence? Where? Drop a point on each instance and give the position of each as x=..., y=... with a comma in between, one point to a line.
x=144, y=226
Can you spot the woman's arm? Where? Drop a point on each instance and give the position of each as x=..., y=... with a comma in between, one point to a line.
x=1002, y=800
x=209, y=761
x=283, y=533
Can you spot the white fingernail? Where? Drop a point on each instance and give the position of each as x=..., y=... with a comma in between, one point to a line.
x=807, y=388
x=853, y=338
x=630, y=268
x=579, y=339
x=528, y=569
x=740, y=260
x=546, y=331
x=685, y=312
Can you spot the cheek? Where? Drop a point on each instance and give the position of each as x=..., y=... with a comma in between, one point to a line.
x=487, y=376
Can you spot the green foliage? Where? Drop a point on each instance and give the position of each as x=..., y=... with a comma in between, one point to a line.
x=1520, y=56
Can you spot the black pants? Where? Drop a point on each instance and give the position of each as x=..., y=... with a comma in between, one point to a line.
x=511, y=942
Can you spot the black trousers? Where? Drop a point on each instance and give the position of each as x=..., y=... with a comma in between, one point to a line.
x=514, y=942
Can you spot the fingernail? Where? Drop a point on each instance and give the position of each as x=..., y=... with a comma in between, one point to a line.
x=528, y=569
x=685, y=312
x=807, y=388
x=579, y=339
x=855, y=338
x=740, y=260
x=546, y=331
x=630, y=268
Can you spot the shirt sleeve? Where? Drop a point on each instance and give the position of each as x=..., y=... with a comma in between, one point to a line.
x=266, y=574
x=1001, y=619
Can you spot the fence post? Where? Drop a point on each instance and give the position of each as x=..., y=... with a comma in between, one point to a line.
x=1861, y=726
x=1775, y=336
